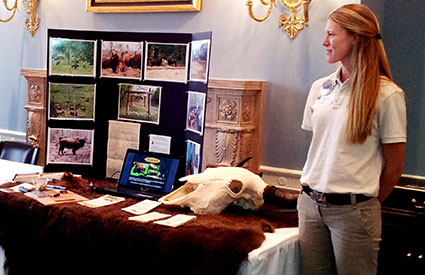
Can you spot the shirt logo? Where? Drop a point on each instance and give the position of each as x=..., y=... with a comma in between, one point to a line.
x=326, y=89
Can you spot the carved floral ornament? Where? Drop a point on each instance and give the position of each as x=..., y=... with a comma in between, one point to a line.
x=291, y=24
x=35, y=93
x=228, y=110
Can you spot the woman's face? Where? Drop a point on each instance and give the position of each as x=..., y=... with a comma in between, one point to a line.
x=339, y=44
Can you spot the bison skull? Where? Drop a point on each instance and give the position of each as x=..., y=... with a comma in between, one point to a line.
x=214, y=189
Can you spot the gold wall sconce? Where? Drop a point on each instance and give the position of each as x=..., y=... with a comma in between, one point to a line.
x=30, y=7
x=291, y=24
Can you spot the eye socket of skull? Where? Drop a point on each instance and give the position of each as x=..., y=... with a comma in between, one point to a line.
x=235, y=186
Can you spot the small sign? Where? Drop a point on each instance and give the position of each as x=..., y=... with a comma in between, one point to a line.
x=159, y=144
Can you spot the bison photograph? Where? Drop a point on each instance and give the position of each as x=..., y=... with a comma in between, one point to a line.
x=70, y=146
x=121, y=59
x=71, y=101
x=166, y=62
x=72, y=57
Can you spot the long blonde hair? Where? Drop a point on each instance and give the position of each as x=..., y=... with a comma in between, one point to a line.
x=368, y=64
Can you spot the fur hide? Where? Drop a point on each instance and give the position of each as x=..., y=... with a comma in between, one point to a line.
x=74, y=239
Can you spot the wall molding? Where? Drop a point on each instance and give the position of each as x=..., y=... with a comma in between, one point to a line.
x=281, y=177
x=290, y=179
x=12, y=135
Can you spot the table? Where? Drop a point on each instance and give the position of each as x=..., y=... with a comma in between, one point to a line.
x=278, y=254
x=8, y=169
x=71, y=238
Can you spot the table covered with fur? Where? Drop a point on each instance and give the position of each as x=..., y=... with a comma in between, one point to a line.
x=74, y=239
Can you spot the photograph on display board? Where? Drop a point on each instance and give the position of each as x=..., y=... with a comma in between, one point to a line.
x=72, y=57
x=121, y=59
x=139, y=103
x=193, y=157
x=195, y=112
x=166, y=62
x=199, y=54
x=70, y=146
x=71, y=101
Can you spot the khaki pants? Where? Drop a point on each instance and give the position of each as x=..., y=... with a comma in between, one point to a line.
x=339, y=239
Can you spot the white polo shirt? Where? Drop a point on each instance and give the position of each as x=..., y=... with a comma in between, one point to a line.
x=333, y=165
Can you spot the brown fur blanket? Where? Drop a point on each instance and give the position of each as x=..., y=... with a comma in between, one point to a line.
x=74, y=239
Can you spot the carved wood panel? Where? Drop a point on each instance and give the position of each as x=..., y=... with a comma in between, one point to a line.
x=36, y=109
x=234, y=122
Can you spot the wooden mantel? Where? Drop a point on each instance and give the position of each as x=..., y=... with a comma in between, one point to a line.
x=233, y=123
x=36, y=109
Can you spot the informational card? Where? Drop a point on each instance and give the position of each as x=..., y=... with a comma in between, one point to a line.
x=142, y=207
x=121, y=135
x=159, y=144
x=102, y=201
x=149, y=217
x=176, y=220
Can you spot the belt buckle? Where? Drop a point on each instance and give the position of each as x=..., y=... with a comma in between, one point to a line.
x=319, y=198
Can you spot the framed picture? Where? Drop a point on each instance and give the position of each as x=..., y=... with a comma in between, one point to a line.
x=200, y=54
x=140, y=103
x=166, y=62
x=72, y=57
x=70, y=146
x=193, y=157
x=121, y=59
x=195, y=112
x=71, y=101
x=143, y=5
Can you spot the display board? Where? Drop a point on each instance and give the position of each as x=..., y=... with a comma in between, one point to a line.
x=157, y=81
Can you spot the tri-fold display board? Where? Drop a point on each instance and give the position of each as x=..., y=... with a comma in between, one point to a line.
x=156, y=82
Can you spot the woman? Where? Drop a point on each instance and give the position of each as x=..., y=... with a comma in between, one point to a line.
x=356, y=156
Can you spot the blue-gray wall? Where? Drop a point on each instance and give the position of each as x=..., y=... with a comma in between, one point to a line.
x=241, y=49
x=403, y=30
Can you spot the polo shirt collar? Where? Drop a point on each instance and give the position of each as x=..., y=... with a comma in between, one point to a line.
x=336, y=78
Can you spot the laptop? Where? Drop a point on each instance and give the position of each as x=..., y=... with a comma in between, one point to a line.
x=144, y=175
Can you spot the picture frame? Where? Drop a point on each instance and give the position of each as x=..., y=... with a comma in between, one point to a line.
x=72, y=57
x=166, y=62
x=193, y=157
x=70, y=146
x=131, y=6
x=141, y=103
x=200, y=55
x=68, y=101
x=121, y=59
x=195, y=112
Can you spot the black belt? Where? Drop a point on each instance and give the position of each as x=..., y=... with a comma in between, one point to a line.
x=333, y=198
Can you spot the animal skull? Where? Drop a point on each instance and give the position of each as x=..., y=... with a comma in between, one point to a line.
x=214, y=189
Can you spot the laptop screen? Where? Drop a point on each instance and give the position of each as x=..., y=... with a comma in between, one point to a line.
x=146, y=171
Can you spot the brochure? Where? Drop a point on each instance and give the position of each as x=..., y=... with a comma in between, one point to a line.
x=102, y=201
x=176, y=220
x=149, y=217
x=142, y=207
